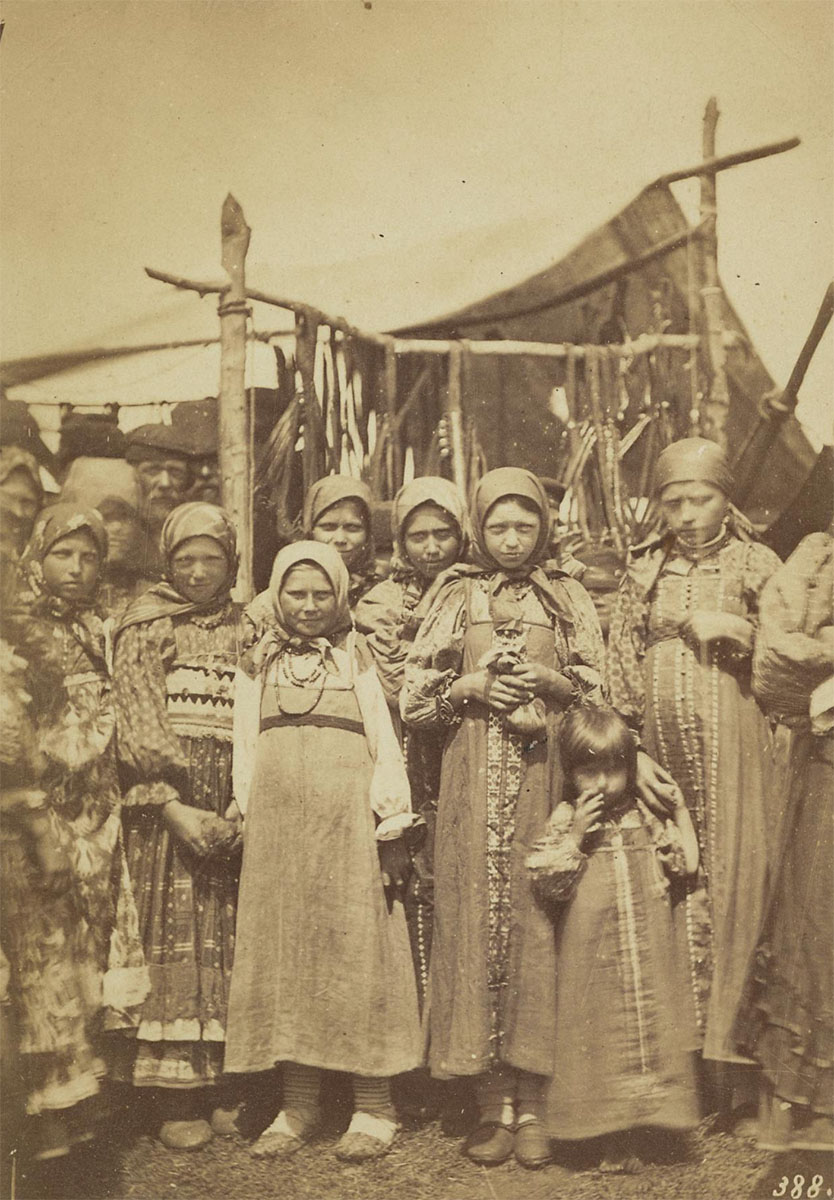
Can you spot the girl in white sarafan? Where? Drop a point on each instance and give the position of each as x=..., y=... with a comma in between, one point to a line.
x=323, y=978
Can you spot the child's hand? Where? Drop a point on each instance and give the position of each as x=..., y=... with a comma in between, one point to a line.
x=587, y=812
x=395, y=863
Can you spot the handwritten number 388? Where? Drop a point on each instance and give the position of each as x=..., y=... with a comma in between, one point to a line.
x=797, y=1191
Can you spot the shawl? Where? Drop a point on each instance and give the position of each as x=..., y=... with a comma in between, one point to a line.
x=194, y=519
x=90, y=481
x=389, y=794
x=33, y=598
x=333, y=489
x=502, y=484
x=426, y=489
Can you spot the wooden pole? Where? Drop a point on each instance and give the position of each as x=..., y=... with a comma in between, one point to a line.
x=778, y=406
x=396, y=456
x=312, y=456
x=234, y=434
x=716, y=405
x=725, y=161
x=454, y=419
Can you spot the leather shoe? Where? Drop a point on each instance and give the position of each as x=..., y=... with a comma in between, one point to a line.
x=532, y=1145
x=490, y=1144
x=223, y=1121
x=185, y=1135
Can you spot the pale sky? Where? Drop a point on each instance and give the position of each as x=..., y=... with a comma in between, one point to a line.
x=347, y=130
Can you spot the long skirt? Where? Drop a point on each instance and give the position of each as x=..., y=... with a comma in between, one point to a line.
x=323, y=972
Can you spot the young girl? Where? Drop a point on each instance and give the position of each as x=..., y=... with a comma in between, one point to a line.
x=427, y=522
x=176, y=652
x=682, y=638
x=322, y=977
x=622, y=1058
x=337, y=512
x=504, y=647
x=69, y=927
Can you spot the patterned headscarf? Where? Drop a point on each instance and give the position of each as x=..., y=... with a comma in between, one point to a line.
x=333, y=489
x=427, y=489
x=693, y=460
x=34, y=600
x=195, y=519
x=279, y=635
x=54, y=523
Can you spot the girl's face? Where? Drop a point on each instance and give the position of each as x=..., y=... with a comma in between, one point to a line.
x=609, y=778
x=693, y=511
x=307, y=601
x=199, y=568
x=343, y=526
x=511, y=532
x=431, y=540
x=71, y=567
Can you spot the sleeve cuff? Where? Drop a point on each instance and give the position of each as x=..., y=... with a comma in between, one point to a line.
x=389, y=829
x=154, y=795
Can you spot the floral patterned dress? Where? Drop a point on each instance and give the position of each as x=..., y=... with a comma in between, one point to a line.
x=174, y=705
x=76, y=961
x=493, y=969
x=699, y=719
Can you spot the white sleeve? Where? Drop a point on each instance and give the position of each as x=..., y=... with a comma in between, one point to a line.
x=247, y=717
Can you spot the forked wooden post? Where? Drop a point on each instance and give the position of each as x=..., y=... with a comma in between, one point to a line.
x=716, y=405
x=234, y=433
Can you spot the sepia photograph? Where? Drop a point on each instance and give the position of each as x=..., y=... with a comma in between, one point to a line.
x=416, y=599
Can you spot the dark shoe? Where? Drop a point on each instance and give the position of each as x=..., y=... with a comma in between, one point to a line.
x=532, y=1145
x=490, y=1144
x=50, y=1136
x=185, y=1135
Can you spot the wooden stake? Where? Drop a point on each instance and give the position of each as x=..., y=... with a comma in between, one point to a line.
x=454, y=419
x=716, y=406
x=234, y=433
x=396, y=456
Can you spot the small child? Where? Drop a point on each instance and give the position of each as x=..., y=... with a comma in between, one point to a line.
x=622, y=1056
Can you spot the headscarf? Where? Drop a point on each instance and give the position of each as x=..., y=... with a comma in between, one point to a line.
x=195, y=519
x=279, y=635
x=693, y=460
x=333, y=489
x=502, y=484
x=34, y=599
x=426, y=489
x=13, y=458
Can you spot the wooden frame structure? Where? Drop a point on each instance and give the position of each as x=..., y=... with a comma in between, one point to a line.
x=367, y=402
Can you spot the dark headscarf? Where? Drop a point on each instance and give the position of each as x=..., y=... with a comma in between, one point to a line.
x=333, y=489
x=693, y=460
x=195, y=519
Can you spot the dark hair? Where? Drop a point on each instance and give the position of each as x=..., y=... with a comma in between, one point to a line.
x=590, y=734
x=435, y=508
x=524, y=502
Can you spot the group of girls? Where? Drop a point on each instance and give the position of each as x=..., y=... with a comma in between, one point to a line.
x=360, y=826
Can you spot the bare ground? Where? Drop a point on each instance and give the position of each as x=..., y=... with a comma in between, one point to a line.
x=129, y=1164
